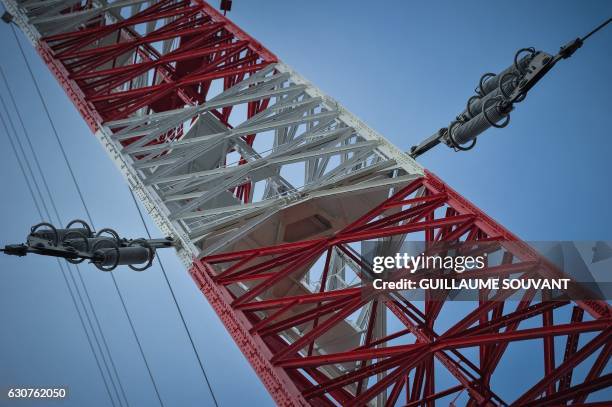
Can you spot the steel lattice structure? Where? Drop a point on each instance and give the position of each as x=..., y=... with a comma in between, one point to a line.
x=269, y=185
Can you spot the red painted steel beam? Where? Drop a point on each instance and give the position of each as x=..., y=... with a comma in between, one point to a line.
x=566, y=366
x=571, y=346
x=526, y=334
x=598, y=367
x=299, y=299
x=276, y=380
x=568, y=394
x=435, y=396
x=597, y=309
x=372, y=225
x=326, y=386
x=73, y=45
x=353, y=355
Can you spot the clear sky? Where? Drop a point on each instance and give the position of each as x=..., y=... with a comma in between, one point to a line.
x=406, y=68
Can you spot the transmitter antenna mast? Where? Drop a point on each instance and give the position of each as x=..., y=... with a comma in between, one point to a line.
x=268, y=188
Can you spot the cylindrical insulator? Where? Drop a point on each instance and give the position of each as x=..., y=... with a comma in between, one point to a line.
x=84, y=245
x=475, y=104
x=466, y=132
x=60, y=234
x=127, y=255
x=493, y=82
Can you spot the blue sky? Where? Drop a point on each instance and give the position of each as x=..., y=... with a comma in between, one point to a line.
x=405, y=68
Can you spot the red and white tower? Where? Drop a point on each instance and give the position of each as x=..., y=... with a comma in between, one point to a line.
x=269, y=185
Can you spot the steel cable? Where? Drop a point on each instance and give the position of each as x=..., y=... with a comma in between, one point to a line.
x=70, y=291
x=161, y=265
x=59, y=219
x=76, y=184
x=599, y=27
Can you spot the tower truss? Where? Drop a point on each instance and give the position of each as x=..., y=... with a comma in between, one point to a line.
x=269, y=186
